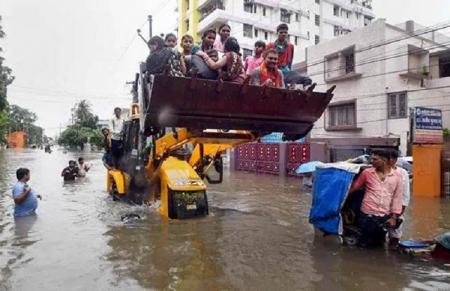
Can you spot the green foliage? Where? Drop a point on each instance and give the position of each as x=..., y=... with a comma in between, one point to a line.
x=446, y=132
x=6, y=77
x=4, y=121
x=84, y=128
x=20, y=118
x=23, y=119
x=82, y=115
x=75, y=136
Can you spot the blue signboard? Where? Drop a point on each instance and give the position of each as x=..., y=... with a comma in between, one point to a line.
x=428, y=118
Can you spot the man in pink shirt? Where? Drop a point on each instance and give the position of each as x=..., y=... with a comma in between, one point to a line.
x=382, y=202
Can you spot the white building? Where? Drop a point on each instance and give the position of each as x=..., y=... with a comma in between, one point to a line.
x=381, y=71
x=310, y=21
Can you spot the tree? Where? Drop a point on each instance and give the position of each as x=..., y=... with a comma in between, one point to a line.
x=74, y=137
x=4, y=121
x=82, y=115
x=83, y=129
x=6, y=77
x=22, y=119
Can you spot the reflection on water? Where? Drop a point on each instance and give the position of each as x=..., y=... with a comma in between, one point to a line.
x=256, y=237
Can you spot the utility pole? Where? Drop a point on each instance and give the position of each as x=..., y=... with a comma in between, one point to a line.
x=150, y=22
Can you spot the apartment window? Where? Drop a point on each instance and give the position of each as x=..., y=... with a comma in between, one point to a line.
x=397, y=105
x=297, y=17
x=256, y=32
x=187, y=25
x=316, y=39
x=246, y=53
x=264, y=11
x=317, y=1
x=187, y=4
x=336, y=10
x=340, y=65
x=345, y=13
x=357, y=15
x=317, y=20
x=337, y=30
x=342, y=115
x=444, y=67
x=249, y=7
x=367, y=20
x=349, y=58
x=266, y=35
x=296, y=40
x=248, y=30
x=285, y=16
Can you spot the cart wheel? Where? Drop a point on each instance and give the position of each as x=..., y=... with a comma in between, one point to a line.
x=350, y=240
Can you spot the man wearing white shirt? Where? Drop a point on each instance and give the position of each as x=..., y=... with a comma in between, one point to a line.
x=116, y=128
x=396, y=234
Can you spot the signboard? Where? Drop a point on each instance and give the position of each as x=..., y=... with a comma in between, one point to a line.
x=427, y=126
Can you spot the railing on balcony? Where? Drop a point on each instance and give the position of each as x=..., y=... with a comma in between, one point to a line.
x=210, y=8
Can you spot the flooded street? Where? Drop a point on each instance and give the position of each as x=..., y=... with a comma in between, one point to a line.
x=257, y=237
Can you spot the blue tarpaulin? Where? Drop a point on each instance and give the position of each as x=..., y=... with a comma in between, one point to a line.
x=277, y=137
x=330, y=190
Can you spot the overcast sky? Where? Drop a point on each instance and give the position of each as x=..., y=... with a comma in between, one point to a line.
x=62, y=51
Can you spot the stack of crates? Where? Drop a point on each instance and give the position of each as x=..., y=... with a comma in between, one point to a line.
x=246, y=157
x=268, y=158
x=297, y=154
x=265, y=157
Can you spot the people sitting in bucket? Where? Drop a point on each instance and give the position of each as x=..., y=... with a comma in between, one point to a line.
x=382, y=203
x=208, y=38
x=170, y=40
x=187, y=41
x=163, y=59
x=224, y=34
x=230, y=64
x=253, y=62
x=268, y=73
x=25, y=198
x=70, y=173
x=83, y=168
x=285, y=51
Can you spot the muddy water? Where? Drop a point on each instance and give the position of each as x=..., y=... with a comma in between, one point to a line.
x=257, y=237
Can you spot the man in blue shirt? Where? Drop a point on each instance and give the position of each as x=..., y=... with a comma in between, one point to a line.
x=25, y=198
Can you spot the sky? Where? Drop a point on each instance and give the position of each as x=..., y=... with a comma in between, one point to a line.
x=63, y=51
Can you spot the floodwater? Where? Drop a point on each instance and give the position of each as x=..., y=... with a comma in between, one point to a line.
x=257, y=237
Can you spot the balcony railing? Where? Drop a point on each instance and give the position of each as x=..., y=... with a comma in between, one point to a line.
x=210, y=8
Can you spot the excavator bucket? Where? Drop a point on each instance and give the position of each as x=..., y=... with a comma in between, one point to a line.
x=208, y=104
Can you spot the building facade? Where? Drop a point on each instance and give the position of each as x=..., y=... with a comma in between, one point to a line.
x=310, y=21
x=381, y=72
